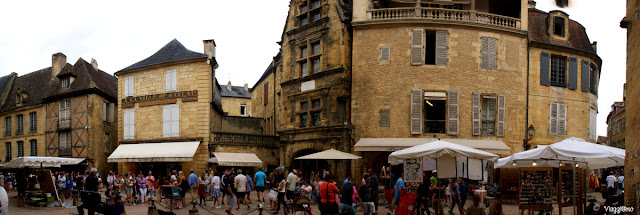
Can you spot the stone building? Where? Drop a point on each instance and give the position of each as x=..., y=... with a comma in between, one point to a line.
x=476, y=73
x=616, y=126
x=62, y=111
x=314, y=82
x=169, y=106
x=632, y=105
x=236, y=100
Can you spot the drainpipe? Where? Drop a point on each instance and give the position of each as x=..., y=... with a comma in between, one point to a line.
x=526, y=126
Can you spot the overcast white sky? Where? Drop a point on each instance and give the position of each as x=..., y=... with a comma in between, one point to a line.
x=120, y=33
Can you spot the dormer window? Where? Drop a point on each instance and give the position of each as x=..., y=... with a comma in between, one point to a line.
x=19, y=97
x=66, y=83
x=558, y=26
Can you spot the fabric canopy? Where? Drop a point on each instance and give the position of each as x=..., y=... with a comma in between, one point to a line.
x=35, y=161
x=395, y=144
x=595, y=156
x=330, y=154
x=154, y=152
x=235, y=159
x=437, y=149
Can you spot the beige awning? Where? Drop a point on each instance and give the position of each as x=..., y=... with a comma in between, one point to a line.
x=235, y=159
x=154, y=152
x=395, y=144
x=330, y=154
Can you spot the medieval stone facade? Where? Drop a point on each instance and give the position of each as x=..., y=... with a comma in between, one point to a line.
x=632, y=105
x=616, y=126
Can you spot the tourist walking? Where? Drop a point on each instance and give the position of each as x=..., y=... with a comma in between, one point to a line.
x=259, y=179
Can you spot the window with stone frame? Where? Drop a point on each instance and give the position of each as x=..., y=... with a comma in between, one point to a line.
x=7, y=149
x=558, y=26
x=20, y=148
x=309, y=114
x=243, y=110
x=593, y=78
x=19, y=124
x=66, y=83
x=64, y=143
x=33, y=147
x=489, y=115
x=558, y=75
x=435, y=112
x=309, y=58
x=33, y=122
x=309, y=12
x=107, y=146
x=7, y=125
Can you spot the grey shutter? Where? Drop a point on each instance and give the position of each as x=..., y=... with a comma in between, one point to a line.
x=585, y=76
x=596, y=82
x=484, y=52
x=489, y=51
x=417, y=46
x=416, y=111
x=441, y=47
x=475, y=121
x=385, y=53
x=553, y=118
x=562, y=119
x=111, y=111
x=501, y=115
x=104, y=111
x=166, y=121
x=452, y=112
x=573, y=73
x=544, y=68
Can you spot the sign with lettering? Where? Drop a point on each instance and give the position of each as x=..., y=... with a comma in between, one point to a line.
x=163, y=98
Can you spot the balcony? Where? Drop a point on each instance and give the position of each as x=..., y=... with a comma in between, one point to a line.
x=449, y=15
x=236, y=139
x=434, y=126
x=66, y=151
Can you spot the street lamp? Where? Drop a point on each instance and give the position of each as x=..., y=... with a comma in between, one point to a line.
x=531, y=131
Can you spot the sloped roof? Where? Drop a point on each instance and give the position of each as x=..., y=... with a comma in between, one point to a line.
x=538, y=32
x=269, y=70
x=39, y=85
x=172, y=52
x=236, y=91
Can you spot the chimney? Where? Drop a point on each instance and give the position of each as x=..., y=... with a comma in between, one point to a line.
x=246, y=87
x=594, y=45
x=210, y=48
x=58, y=61
x=94, y=63
x=229, y=86
x=532, y=4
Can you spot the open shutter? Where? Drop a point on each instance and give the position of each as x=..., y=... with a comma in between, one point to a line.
x=132, y=124
x=417, y=46
x=596, y=82
x=562, y=119
x=573, y=73
x=484, y=52
x=111, y=109
x=544, y=68
x=166, y=121
x=104, y=111
x=385, y=53
x=585, y=76
x=476, y=114
x=126, y=86
x=452, y=112
x=125, y=123
x=175, y=121
x=441, y=47
x=592, y=123
x=416, y=111
x=553, y=118
x=501, y=115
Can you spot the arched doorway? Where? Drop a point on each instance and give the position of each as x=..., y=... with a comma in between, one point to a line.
x=308, y=167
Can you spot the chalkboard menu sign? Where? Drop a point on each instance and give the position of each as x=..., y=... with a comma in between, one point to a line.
x=413, y=170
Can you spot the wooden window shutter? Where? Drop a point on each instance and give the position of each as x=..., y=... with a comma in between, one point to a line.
x=104, y=111
x=441, y=47
x=125, y=124
x=175, y=121
x=501, y=116
x=417, y=46
x=553, y=118
x=475, y=112
x=166, y=121
x=452, y=112
x=544, y=68
x=562, y=119
x=592, y=124
x=132, y=124
x=266, y=94
x=111, y=110
x=171, y=77
x=126, y=87
x=489, y=53
x=585, y=76
x=385, y=53
x=573, y=73
x=416, y=111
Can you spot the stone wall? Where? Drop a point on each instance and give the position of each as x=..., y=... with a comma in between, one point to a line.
x=26, y=135
x=244, y=125
x=632, y=107
x=258, y=107
x=231, y=106
x=617, y=135
x=98, y=129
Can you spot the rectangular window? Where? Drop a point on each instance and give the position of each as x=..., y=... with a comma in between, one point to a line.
x=316, y=49
x=430, y=48
x=310, y=113
x=266, y=94
x=20, y=149
x=171, y=77
x=65, y=83
x=488, y=115
x=64, y=144
x=309, y=60
x=558, y=26
x=33, y=122
x=315, y=16
x=33, y=147
x=7, y=149
x=558, y=71
x=107, y=147
x=243, y=110
x=435, y=112
x=315, y=4
x=304, y=8
x=385, y=53
x=304, y=52
x=309, y=11
x=316, y=65
x=304, y=106
x=304, y=118
x=64, y=119
x=304, y=20
x=129, y=86
x=19, y=124
x=315, y=118
x=593, y=77
x=7, y=125
x=129, y=124
x=315, y=104
x=304, y=69
x=171, y=121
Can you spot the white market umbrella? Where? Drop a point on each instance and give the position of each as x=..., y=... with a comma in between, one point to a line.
x=330, y=154
x=437, y=149
x=594, y=156
x=37, y=161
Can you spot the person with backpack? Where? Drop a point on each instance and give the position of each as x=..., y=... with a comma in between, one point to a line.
x=327, y=193
x=230, y=192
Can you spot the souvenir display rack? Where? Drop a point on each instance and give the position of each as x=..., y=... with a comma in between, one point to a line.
x=566, y=188
x=536, y=188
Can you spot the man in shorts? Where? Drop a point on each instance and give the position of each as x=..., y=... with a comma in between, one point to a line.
x=230, y=191
x=367, y=194
x=259, y=182
x=241, y=188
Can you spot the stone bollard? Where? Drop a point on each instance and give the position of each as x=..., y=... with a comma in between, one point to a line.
x=152, y=209
x=194, y=210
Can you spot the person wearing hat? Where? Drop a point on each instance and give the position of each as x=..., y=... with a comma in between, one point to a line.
x=434, y=178
x=291, y=185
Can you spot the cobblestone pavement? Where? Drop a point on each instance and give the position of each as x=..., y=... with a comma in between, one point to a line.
x=208, y=210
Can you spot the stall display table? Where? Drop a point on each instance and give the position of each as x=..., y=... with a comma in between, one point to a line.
x=565, y=188
x=536, y=186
